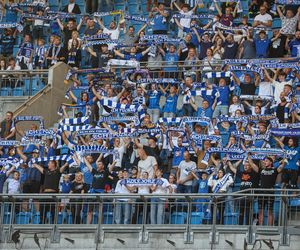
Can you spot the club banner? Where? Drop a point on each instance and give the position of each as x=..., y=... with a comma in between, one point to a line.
x=142, y=182
x=40, y=119
x=49, y=133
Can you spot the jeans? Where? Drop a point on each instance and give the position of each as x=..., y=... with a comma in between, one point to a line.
x=220, y=110
x=184, y=189
x=123, y=212
x=157, y=211
x=154, y=114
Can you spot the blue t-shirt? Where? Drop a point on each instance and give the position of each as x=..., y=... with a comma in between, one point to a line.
x=203, y=186
x=160, y=23
x=83, y=109
x=223, y=99
x=25, y=50
x=204, y=112
x=154, y=98
x=88, y=177
x=261, y=47
x=209, y=95
x=10, y=14
x=171, y=59
x=178, y=155
x=137, y=57
x=171, y=104
x=295, y=47
x=293, y=158
x=65, y=187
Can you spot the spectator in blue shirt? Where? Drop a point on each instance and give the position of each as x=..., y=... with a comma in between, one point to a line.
x=169, y=109
x=153, y=102
x=133, y=55
x=7, y=42
x=159, y=15
x=262, y=44
x=205, y=111
x=171, y=59
x=294, y=45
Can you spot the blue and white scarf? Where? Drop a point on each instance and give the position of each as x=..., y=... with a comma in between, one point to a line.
x=229, y=28
x=285, y=132
x=221, y=183
x=142, y=182
x=248, y=68
x=198, y=16
x=95, y=149
x=49, y=133
x=288, y=2
x=66, y=158
x=220, y=150
x=158, y=81
x=136, y=18
x=75, y=121
x=18, y=26
x=40, y=119
x=118, y=107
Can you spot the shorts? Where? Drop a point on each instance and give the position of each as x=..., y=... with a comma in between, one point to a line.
x=31, y=187
x=264, y=201
x=290, y=177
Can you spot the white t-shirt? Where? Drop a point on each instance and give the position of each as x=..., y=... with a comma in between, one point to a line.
x=114, y=35
x=263, y=110
x=265, y=89
x=185, y=168
x=71, y=7
x=186, y=22
x=121, y=189
x=143, y=189
x=147, y=165
x=162, y=189
x=13, y=186
x=263, y=18
x=279, y=86
x=121, y=150
x=213, y=183
x=235, y=107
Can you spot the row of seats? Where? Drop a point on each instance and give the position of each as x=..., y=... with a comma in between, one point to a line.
x=36, y=84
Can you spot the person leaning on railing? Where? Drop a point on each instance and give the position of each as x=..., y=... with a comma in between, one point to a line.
x=51, y=183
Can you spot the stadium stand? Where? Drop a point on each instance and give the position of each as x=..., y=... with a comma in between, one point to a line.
x=166, y=98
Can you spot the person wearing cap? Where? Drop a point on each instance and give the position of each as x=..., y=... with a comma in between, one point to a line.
x=159, y=15
x=249, y=180
x=268, y=176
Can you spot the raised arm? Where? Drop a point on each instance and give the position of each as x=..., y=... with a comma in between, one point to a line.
x=73, y=96
x=218, y=8
x=89, y=166
x=61, y=26
x=253, y=165
x=118, y=53
x=63, y=167
x=38, y=167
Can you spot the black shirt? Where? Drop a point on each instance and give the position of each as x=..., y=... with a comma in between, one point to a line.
x=76, y=187
x=280, y=113
x=51, y=179
x=248, y=88
x=277, y=48
x=248, y=180
x=268, y=177
x=100, y=179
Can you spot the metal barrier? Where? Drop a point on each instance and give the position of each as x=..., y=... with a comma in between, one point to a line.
x=276, y=210
x=22, y=82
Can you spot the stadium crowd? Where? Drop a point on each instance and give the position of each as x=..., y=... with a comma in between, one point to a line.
x=215, y=108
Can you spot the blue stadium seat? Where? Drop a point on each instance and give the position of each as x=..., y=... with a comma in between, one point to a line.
x=231, y=218
x=197, y=217
x=7, y=218
x=133, y=2
x=5, y=91
x=295, y=204
x=178, y=218
x=108, y=217
x=36, y=218
x=276, y=23
x=119, y=7
x=133, y=9
x=118, y=2
x=17, y=92
x=64, y=217
x=23, y=218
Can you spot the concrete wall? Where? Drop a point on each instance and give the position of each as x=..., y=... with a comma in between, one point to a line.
x=121, y=241
x=8, y=103
x=46, y=102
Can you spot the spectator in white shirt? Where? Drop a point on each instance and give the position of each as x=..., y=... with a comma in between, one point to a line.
x=263, y=19
x=158, y=204
x=14, y=183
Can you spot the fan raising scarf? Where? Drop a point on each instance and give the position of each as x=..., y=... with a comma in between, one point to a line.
x=220, y=150
x=49, y=133
x=108, y=13
x=136, y=18
x=229, y=28
x=116, y=107
x=66, y=158
x=95, y=149
x=18, y=26
x=248, y=68
x=285, y=132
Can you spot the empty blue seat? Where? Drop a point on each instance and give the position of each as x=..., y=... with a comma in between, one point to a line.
x=36, y=218
x=64, y=217
x=23, y=218
x=7, y=218
x=231, y=218
x=119, y=1
x=119, y=7
x=18, y=91
x=133, y=9
x=108, y=217
x=196, y=217
x=5, y=91
x=178, y=218
x=276, y=23
x=294, y=203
